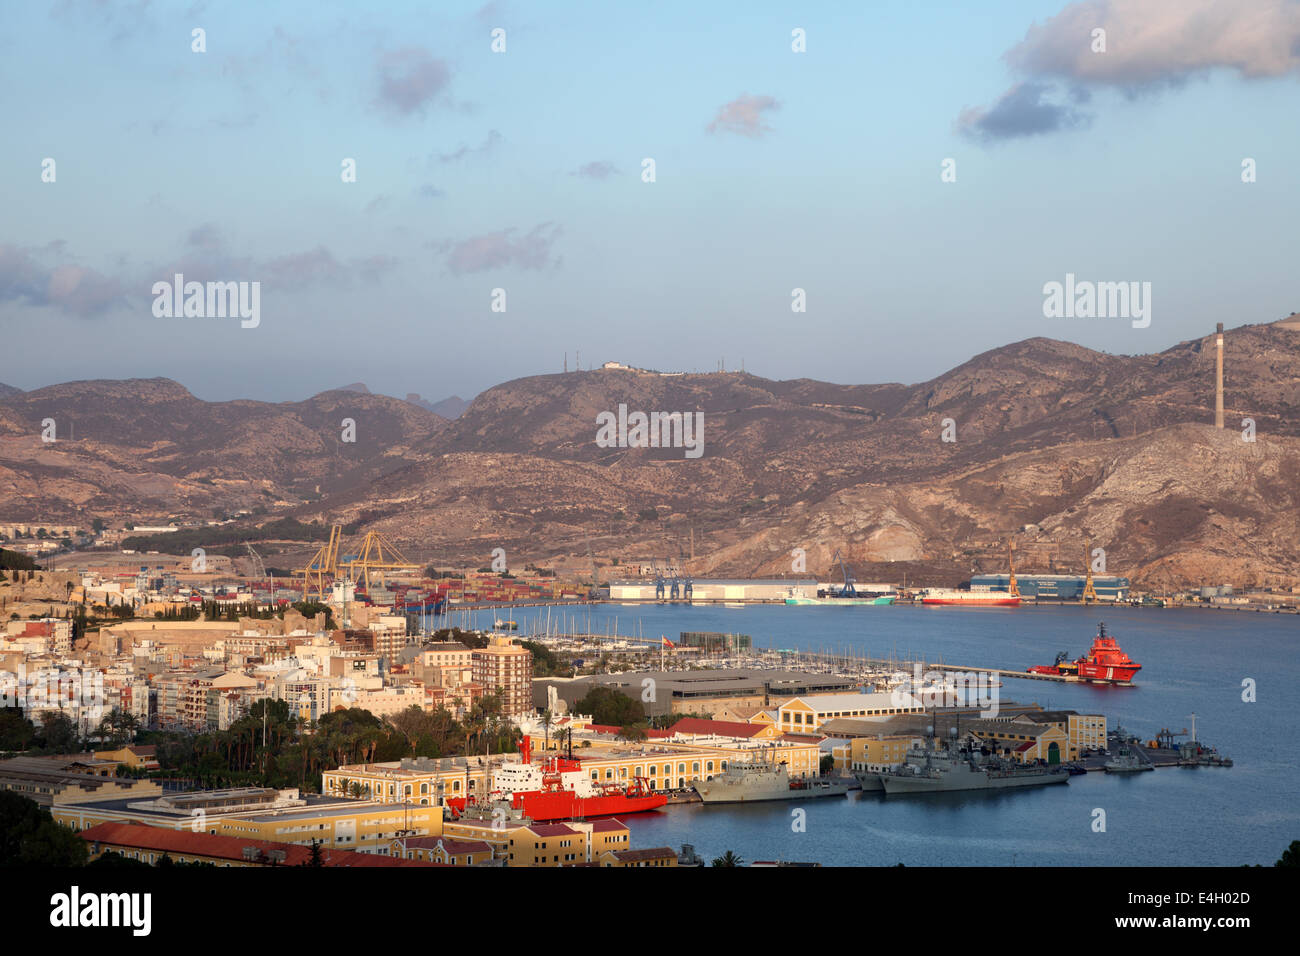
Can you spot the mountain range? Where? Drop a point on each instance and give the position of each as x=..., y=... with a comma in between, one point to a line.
x=1054, y=444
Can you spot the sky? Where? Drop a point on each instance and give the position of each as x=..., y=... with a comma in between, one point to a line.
x=795, y=146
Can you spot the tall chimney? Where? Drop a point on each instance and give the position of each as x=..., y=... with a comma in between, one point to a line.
x=1218, y=377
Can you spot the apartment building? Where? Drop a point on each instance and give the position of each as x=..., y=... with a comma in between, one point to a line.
x=503, y=666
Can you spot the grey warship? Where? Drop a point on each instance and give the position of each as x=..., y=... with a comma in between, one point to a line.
x=751, y=782
x=946, y=771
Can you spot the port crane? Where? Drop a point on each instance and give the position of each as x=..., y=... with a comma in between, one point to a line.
x=321, y=570
x=375, y=555
x=660, y=584
x=847, y=590
x=1089, y=592
x=259, y=567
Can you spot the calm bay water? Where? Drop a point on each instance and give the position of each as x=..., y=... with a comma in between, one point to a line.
x=1193, y=661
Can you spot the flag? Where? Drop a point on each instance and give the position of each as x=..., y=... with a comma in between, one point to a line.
x=666, y=642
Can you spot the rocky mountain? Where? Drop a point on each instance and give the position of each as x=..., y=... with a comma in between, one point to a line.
x=451, y=407
x=1052, y=442
x=147, y=446
x=8, y=390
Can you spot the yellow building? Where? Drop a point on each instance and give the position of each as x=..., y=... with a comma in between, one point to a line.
x=875, y=753
x=656, y=856
x=544, y=844
x=1024, y=741
x=664, y=766
x=801, y=715
x=445, y=850
x=134, y=757
x=1084, y=731
x=264, y=814
x=369, y=828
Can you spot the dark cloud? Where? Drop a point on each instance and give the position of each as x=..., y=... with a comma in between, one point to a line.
x=1023, y=110
x=72, y=288
x=1148, y=45
x=410, y=79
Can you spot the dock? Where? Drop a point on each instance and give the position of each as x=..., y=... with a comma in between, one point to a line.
x=1024, y=675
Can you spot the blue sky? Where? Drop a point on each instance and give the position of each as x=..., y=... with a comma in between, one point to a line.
x=522, y=170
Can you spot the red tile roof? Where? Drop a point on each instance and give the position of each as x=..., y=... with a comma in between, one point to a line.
x=607, y=826
x=450, y=845
x=720, y=728
x=652, y=853
x=552, y=829
x=134, y=836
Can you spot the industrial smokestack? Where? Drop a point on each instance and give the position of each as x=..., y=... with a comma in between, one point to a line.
x=1218, y=377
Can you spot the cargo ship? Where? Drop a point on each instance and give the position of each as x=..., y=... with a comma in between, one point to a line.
x=1105, y=663
x=951, y=596
x=797, y=596
x=559, y=789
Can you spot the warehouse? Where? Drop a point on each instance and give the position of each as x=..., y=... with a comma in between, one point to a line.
x=1054, y=587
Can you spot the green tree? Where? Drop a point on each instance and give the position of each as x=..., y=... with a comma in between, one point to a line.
x=59, y=733
x=30, y=837
x=317, y=858
x=728, y=859
x=1291, y=855
x=16, y=731
x=609, y=706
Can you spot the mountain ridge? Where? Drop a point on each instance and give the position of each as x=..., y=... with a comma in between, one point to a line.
x=787, y=464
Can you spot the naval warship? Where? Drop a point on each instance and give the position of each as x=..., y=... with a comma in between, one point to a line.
x=752, y=782
x=946, y=771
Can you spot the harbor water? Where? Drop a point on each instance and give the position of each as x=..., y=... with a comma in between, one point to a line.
x=1193, y=661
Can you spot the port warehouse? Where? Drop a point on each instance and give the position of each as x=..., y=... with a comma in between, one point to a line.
x=1054, y=587
x=695, y=692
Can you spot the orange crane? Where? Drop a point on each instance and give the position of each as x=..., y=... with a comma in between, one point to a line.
x=322, y=569
x=376, y=554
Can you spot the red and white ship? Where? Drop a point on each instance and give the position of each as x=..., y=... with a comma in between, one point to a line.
x=559, y=789
x=970, y=598
x=1105, y=663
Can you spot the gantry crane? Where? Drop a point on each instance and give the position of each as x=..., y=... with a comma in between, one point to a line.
x=321, y=570
x=376, y=555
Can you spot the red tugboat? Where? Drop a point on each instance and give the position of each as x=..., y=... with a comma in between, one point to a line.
x=1105, y=663
x=560, y=790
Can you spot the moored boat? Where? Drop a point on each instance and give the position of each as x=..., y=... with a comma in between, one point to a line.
x=955, y=598
x=756, y=781
x=1105, y=663
x=559, y=789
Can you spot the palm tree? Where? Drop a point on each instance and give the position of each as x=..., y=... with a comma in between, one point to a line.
x=728, y=859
